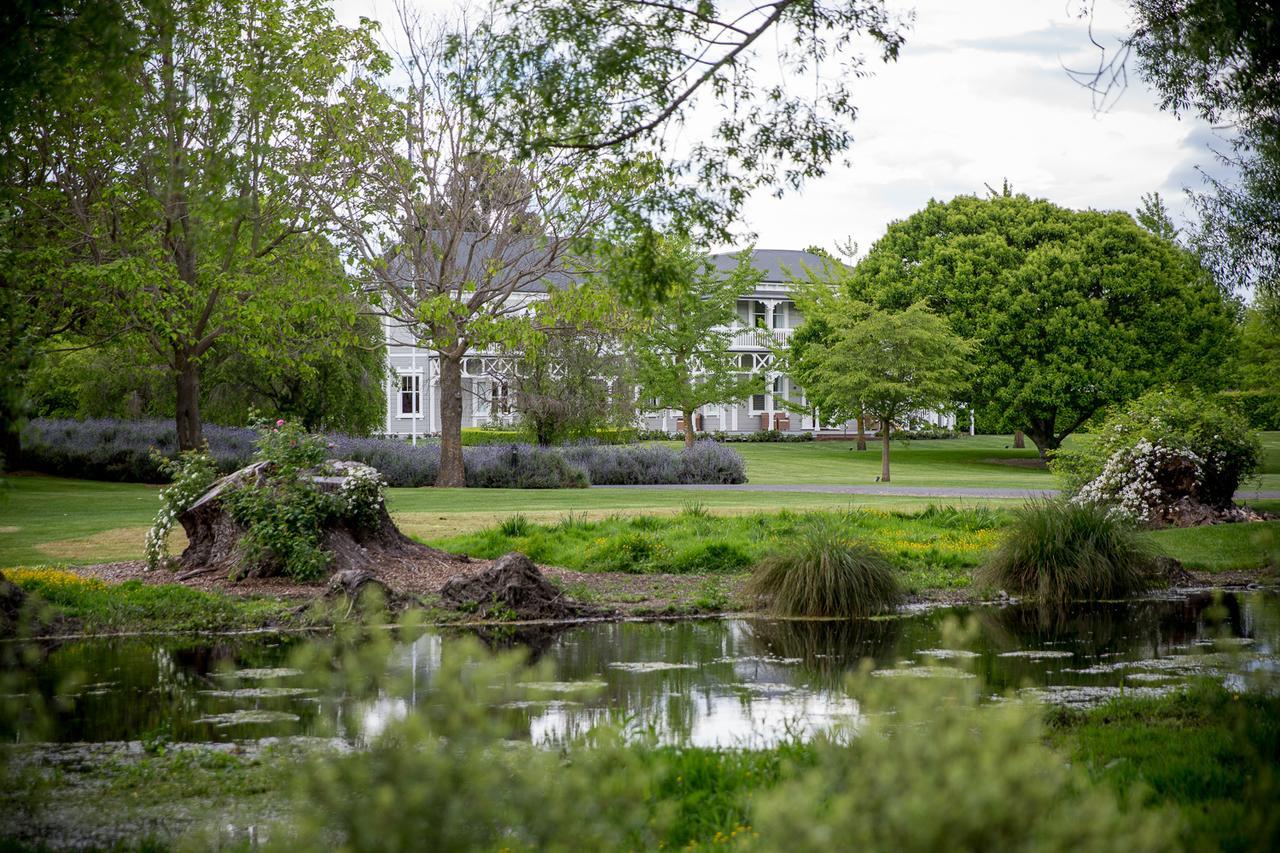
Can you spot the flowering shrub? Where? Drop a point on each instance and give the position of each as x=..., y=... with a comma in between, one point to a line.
x=192, y=473
x=362, y=493
x=1192, y=424
x=1138, y=482
x=123, y=451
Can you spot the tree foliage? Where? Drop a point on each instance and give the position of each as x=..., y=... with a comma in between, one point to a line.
x=630, y=76
x=889, y=364
x=681, y=351
x=175, y=209
x=1259, y=370
x=455, y=231
x=572, y=377
x=1073, y=310
x=1220, y=60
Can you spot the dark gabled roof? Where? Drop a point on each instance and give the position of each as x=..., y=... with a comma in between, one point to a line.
x=778, y=265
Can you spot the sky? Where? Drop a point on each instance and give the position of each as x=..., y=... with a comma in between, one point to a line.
x=978, y=95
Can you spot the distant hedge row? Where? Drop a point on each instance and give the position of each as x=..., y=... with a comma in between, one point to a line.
x=476, y=436
x=116, y=450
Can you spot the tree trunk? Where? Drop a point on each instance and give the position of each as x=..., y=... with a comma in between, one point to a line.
x=452, y=474
x=862, y=430
x=190, y=427
x=1041, y=435
x=1017, y=439
x=885, y=429
x=690, y=435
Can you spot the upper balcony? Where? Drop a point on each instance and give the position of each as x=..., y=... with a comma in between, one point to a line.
x=756, y=337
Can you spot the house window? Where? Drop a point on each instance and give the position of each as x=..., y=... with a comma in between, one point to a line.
x=780, y=316
x=499, y=402
x=759, y=315
x=410, y=395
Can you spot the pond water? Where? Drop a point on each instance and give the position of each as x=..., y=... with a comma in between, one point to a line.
x=722, y=682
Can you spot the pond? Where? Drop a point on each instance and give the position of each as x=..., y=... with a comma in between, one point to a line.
x=735, y=682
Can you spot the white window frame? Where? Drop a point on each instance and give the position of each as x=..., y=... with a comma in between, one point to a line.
x=415, y=390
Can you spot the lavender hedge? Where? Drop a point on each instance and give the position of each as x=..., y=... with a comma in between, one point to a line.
x=104, y=449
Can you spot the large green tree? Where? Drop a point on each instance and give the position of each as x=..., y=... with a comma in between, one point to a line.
x=174, y=206
x=1073, y=310
x=886, y=363
x=1259, y=372
x=681, y=350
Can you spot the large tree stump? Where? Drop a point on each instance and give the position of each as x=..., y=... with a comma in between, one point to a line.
x=213, y=536
x=512, y=585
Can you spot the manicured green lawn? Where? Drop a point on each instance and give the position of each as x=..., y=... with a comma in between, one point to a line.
x=1223, y=547
x=50, y=519
x=979, y=462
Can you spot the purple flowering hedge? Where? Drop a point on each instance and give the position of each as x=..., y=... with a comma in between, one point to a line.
x=105, y=449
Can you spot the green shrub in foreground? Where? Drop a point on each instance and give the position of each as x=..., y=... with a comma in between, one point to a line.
x=823, y=572
x=942, y=772
x=1063, y=551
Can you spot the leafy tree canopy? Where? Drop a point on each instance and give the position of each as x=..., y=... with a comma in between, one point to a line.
x=888, y=363
x=1219, y=59
x=1073, y=310
x=682, y=349
x=726, y=99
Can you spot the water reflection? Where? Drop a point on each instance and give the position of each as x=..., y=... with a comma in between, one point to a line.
x=730, y=682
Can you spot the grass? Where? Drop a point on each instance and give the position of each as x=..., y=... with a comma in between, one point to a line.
x=1061, y=551
x=932, y=540
x=94, y=606
x=44, y=519
x=48, y=519
x=1223, y=775
x=1222, y=547
x=824, y=572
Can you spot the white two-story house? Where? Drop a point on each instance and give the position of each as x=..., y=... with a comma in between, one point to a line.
x=765, y=316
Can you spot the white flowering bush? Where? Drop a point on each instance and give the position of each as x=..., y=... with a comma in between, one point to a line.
x=362, y=493
x=192, y=472
x=1138, y=482
x=1195, y=425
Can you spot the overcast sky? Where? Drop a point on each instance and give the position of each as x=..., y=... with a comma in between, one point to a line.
x=978, y=95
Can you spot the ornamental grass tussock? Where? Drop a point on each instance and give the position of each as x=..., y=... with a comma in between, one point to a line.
x=824, y=572
x=1059, y=551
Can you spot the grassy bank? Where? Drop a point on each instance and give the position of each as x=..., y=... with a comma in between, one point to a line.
x=935, y=548
x=1223, y=776
x=66, y=602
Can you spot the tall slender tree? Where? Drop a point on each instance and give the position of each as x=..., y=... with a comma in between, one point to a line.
x=888, y=363
x=451, y=230
x=682, y=350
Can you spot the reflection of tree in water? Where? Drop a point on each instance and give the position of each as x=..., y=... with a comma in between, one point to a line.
x=828, y=646
x=1149, y=626
x=533, y=639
